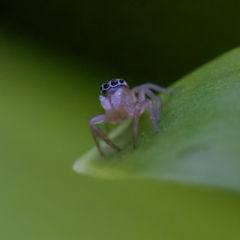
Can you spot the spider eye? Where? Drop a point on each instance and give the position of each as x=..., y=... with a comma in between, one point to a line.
x=114, y=82
x=112, y=85
x=106, y=86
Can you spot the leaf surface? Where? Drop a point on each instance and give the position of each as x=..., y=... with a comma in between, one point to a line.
x=199, y=133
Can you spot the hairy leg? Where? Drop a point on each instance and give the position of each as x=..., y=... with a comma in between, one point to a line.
x=140, y=107
x=152, y=96
x=153, y=87
x=97, y=132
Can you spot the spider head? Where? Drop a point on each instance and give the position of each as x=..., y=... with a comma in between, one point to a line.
x=112, y=85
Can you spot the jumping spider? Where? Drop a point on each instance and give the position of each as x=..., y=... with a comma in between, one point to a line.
x=120, y=103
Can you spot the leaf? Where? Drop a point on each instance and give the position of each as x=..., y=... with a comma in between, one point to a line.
x=199, y=137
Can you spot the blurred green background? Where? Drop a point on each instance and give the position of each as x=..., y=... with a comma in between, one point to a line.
x=147, y=39
x=53, y=57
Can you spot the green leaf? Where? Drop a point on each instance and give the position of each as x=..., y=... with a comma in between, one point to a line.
x=199, y=137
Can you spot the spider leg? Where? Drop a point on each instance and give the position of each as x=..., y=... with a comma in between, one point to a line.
x=141, y=96
x=153, y=87
x=97, y=132
x=146, y=91
x=140, y=107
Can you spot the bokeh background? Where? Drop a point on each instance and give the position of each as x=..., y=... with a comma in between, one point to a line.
x=161, y=40
x=54, y=55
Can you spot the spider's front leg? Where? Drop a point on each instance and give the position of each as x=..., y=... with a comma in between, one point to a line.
x=140, y=107
x=96, y=132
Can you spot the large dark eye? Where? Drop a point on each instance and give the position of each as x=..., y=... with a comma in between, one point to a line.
x=121, y=81
x=114, y=83
x=106, y=86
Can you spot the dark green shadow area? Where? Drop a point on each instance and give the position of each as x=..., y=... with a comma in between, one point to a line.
x=156, y=40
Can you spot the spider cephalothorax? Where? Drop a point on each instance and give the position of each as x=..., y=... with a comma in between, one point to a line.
x=120, y=103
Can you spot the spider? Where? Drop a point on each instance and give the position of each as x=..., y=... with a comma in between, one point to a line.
x=120, y=103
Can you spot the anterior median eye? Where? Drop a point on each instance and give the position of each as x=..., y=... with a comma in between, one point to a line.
x=114, y=82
